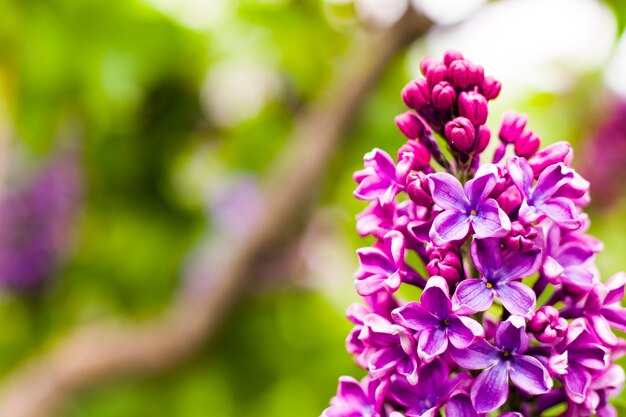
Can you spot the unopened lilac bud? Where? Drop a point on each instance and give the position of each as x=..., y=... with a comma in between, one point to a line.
x=473, y=106
x=451, y=56
x=547, y=325
x=553, y=154
x=527, y=144
x=416, y=94
x=490, y=88
x=422, y=156
x=483, y=135
x=443, y=96
x=446, y=263
x=513, y=125
x=426, y=63
x=521, y=237
x=461, y=133
x=418, y=190
x=477, y=74
x=410, y=125
x=460, y=74
x=509, y=199
x=436, y=74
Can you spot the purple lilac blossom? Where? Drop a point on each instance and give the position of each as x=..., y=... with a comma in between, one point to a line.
x=36, y=224
x=511, y=291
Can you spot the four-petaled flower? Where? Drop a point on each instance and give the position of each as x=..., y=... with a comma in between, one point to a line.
x=505, y=359
x=465, y=206
x=500, y=271
x=603, y=309
x=382, y=268
x=551, y=196
x=381, y=179
x=436, y=322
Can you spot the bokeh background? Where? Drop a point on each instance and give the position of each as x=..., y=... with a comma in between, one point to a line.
x=132, y=131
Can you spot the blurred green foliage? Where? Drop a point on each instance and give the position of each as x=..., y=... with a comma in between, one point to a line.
x=127, y=80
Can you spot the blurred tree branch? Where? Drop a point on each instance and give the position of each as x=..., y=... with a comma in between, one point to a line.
x=222, y=268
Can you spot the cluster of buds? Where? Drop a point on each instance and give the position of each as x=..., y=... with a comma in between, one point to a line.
x=513, y=318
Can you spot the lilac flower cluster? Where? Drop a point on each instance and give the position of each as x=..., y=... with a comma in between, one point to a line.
x=34, y=225
x=513, y=318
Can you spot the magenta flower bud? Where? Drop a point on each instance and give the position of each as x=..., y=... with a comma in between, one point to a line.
x=418, y=190
x=510, y=199
x=451, y=56
x=553, y=154
x=410, y=125
x=521, y=238
x=443, y=96
x=416, y=94
x=473, y=106
x=422, y=156
x=477, y=74
x=490, y=88
x=460, y=73
x=513, y=125
x=446, y=263
x=527, y=144
x=483, y=136
x=547, y=325
x=461, y=133
x=426, y=63
x=436, y=74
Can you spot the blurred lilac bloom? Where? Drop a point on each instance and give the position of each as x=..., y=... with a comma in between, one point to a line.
x=433, y=389
x=381, y=179
x=355, y=399
x=461, y=406
x=506, y=359
x=567, y=260
x=390, y=348
x=576, y=358
x=435, y=321
x=551, y=196
x=465, y=206
x=499, y=271
x=36, y=223
x=382, y=268
x=603, y=309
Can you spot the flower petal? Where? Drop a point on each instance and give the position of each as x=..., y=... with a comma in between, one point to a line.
x=463, y=330
x=478, y=188
x=517, y=298
x=414, y=316
x=447, y=192
x=436, y=298
x=521, y=173
x=487, y=256
x=491, y=388
x=511, y=335
x=395, y=247
x=519, y=264
x=615, y=286
x=432, y=342
x=576, y=383
x=530, y=375
x=448, y=226
x=472, y=295
x=490, y=221
x=478, y=355
x=602, y=328
x=460, y=406
x=562, y=211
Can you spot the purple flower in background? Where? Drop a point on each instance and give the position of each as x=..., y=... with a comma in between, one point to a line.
x=577, y=358
x=382, y=179
x=551, y=195
x=500, y=271
x=506, y=359
x=36, y=223
x=436, y=322
x=382, y=268
x=465, y=206
x=389, y=348
x=432, y=391
x=603, y=309
x=515, y=223
x=355, y=399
